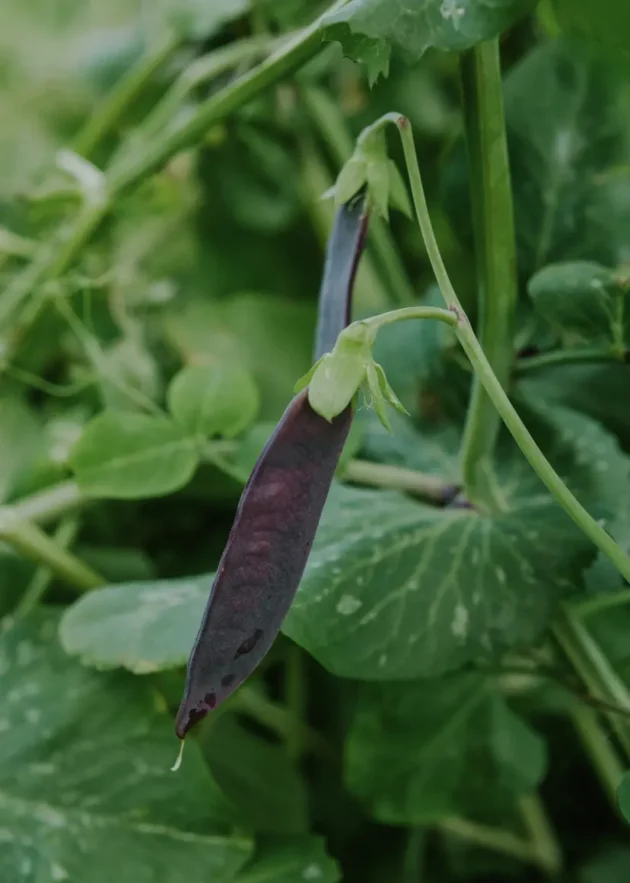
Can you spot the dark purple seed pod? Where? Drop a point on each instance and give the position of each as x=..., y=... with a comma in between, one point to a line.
x=278, y=514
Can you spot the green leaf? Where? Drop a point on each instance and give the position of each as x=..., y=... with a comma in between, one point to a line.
x=197, y=19
x=128, y=375
x=132, y=456
x=606, y=22
x=369, y=29
x=566, y=133
x=582, y=301
x=395, y=589
x=257, y=777
x=20, y=438
x=86, y=791
x=272, y=336
x=419, y=753
x=143, y=627
x=220, y=399
x=611, y=865
x=290, y=860
x=623, y=797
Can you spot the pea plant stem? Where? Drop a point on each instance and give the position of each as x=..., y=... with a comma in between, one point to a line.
x=201, y=71
x=30, y=540
x=495, y=252
x=64, y=536
x=594, y=669
x=382, y=475
x=293, y=54
x=593, y=604
x=576, y=356
x=597, y=745
x=124, y=93
x=54, y=258
x=333, y=130
x=493, y=839
x=47, y=505
x=486, y=375
x=296, y=700
x=541, y=834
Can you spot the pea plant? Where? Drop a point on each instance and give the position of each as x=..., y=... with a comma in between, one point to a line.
x=376, y=585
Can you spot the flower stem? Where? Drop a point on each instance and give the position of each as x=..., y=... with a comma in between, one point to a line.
x=486, y=375
x=376, y=322
x=495, y=250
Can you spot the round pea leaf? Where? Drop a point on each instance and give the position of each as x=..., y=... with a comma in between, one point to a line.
x=133, y=456
x=143, y=626
x=218, y=399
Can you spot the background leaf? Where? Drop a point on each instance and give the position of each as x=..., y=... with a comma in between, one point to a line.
x=395, y=589
x=419, y=753
x=257, y=777
x=131, y=456
x=142, y=627
x=606, y=23
x=367, y=29
x=583, y=301
x=19, y=441
x=219, y=399
x=564, y=133
x=289, y=860
x=84, y=772
x=270, y=335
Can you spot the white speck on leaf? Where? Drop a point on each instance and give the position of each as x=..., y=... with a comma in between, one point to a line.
x=459, y=626
x=500, y=575
x=50, y=816
x=348, y=605
x=452, y=11
x=383, y=660
x=312, y=872
x=58, y=873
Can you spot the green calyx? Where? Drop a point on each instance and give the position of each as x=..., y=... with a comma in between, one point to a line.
x=337, y=377
x=370, y=167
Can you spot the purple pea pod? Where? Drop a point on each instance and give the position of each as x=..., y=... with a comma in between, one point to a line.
x=278, y=513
